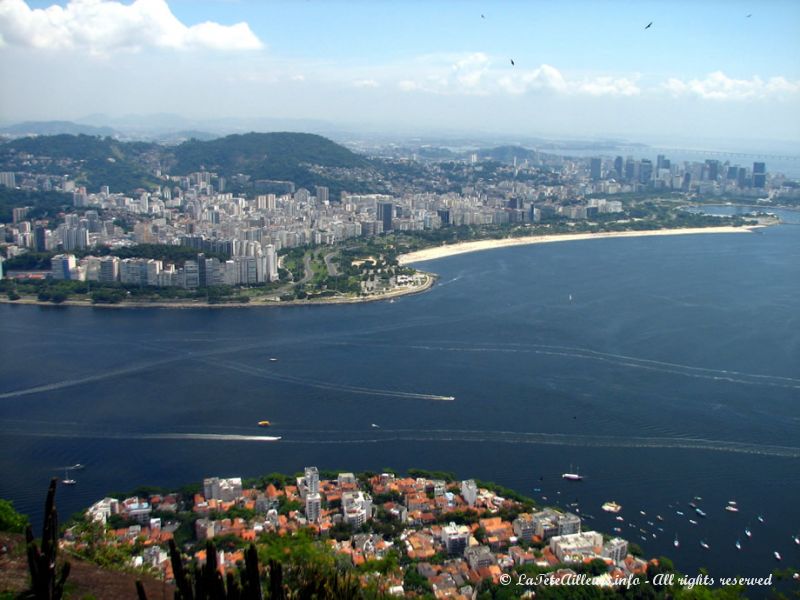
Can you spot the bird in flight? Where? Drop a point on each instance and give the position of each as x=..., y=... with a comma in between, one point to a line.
x=648, y=25
x=512, y=62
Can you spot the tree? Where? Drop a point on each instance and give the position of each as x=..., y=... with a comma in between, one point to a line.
x=10, y=519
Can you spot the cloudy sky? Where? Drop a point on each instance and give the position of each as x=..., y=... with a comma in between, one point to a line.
x=703, y=69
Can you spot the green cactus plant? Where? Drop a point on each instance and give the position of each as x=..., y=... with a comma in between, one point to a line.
x=47, y=580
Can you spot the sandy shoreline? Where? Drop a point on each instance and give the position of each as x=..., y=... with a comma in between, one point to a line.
x=404, y=259
x=478, y=245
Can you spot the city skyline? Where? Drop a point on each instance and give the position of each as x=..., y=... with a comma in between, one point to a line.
x=707, y=71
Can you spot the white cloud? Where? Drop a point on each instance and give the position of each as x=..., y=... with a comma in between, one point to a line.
x=609, y=86
x=718, y=86
x=366, y=83
x=407, y=85
x=542, y=78
x=468, y=73
x=104, y=26
x=475, y=74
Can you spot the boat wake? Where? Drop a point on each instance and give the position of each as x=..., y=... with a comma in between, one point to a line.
x=265, y=374
x=213, y=437
x=554, y=439
x=619, y=360
x=381, y=435
x=234, y=366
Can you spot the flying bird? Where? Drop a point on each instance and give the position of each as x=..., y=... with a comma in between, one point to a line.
x=512, y=62
x=648, y=25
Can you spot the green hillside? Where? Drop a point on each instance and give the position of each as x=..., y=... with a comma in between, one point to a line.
x=92, y=161
x=282, y=156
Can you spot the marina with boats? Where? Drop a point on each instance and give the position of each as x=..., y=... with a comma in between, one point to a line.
x=647, y=529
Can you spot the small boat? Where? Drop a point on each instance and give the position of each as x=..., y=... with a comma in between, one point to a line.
x=67, y=480
x=77, y=467
x=700, y=512
x=679, y=513
x=760, y=519
x=692, y=504
x=644, y=539
x=641, y=512
x=704, y=544
x=537, y=489
x=651, y=524
x=273, y=359
x=731, y=508
x=611, y=507
x=375, y=426
x=659, y=518
x=747, y=532
x=264, y=423
x=698, y=498
x=732, y=502
x=620, y=519
x=796, y=540
x=777, y=555
x=572, y=476
x=692, y=521
x=738, y=545
x=617, y=529
x=570, y=297
x=676, y=543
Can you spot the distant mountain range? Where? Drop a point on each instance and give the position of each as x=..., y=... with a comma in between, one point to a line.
x=29, y=128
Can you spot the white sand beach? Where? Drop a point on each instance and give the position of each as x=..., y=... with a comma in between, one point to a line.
x=463, y=247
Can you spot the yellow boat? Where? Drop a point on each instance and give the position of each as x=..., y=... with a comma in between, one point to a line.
x=264, y=423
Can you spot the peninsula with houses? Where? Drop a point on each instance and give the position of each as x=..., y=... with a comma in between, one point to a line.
x=419, y=535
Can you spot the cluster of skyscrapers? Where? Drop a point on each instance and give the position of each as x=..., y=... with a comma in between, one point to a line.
x=664, y=174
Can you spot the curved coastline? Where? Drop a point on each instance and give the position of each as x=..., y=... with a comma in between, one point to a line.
x=426, y=254
x=478, y=245
x=396, y=293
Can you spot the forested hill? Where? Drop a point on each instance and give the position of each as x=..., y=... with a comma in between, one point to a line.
x=88, y=160
x=303, y=158
x=285, y=156
x=263, y=155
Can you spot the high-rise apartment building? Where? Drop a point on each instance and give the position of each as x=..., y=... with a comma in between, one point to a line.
x=759, y=174
x=595, y=167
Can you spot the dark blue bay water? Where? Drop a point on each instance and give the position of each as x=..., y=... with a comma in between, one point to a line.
x=673, y=372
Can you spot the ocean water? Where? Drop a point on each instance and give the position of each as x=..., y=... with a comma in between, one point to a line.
x=662, y=369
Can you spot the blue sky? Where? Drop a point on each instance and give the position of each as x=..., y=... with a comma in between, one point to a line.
x=582, y=68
